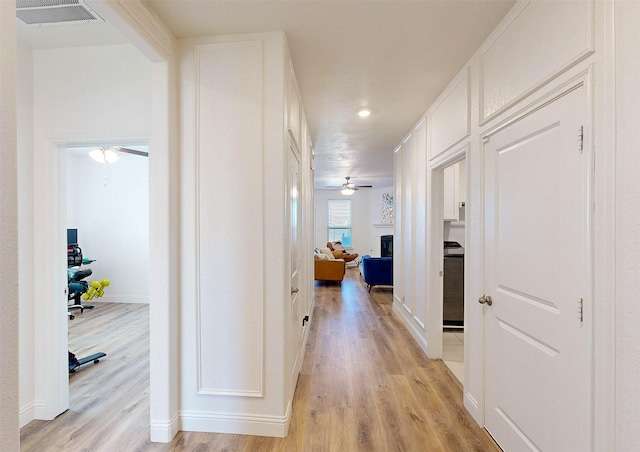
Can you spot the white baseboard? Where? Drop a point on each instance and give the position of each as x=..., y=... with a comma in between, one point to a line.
x=27, y=413
x=118, y=299
x=305, y=339
x=473, y=408
x=164, y=432
x=247, y=424
x=41, y=411
x=410, y=325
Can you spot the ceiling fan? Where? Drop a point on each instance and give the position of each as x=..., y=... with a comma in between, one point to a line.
x=109, y=154
x=349, y=188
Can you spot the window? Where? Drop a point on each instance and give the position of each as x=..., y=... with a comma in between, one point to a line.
x=339, y=221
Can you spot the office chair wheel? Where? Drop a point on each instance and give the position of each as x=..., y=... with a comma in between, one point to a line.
x=71, y=317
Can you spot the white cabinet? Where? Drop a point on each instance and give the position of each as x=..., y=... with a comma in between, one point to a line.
x=455, y=188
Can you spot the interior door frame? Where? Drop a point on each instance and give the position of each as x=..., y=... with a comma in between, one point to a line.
x=435, y=235
x=51, y=320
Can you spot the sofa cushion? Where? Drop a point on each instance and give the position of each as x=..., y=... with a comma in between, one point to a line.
x=327, y=252
x=329, y=270
x=321, y=257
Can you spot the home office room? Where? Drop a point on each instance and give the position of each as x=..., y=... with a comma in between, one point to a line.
x=107, y=204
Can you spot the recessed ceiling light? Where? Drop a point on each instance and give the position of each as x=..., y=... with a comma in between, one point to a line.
x=364, y=113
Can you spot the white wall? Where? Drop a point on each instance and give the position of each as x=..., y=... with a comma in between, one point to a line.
x=81, y=95
x=84, y=92
x=25, y=216
x=376, y=227
x=359, y=218
x=366, y=210
x=9, y=434
x=454, y=232
x=112, y=218
x=627, y=226
x=411, y=255
x=237, y=316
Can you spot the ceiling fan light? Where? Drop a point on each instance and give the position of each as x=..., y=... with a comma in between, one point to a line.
x=104, y=155
x=347, y=191
x=97, y=155
x=110, y=156
x=363, y=113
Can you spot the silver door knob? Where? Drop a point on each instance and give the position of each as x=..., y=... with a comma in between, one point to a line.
x=294, y=290
x=485, y=299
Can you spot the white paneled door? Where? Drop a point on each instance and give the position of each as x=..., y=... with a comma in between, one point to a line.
x=537, y=280
x=294, y=228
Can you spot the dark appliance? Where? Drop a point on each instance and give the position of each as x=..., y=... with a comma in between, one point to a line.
x=453, y=285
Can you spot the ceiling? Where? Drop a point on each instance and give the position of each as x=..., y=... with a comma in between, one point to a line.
x=393, y=56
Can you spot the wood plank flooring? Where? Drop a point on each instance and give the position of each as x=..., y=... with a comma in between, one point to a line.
x=364, y=385
x=108, y=401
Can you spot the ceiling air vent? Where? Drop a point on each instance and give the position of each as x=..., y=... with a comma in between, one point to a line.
x=54, y=12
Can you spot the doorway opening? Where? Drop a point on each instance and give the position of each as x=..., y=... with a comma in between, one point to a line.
x=105, y=205
x=454, y=199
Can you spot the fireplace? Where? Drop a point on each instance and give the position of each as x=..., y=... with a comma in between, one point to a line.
x=386, y=246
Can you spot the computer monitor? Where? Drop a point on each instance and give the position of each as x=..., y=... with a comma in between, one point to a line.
x=72, y=236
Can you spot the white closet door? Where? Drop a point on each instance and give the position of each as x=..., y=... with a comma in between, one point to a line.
x=537, y=271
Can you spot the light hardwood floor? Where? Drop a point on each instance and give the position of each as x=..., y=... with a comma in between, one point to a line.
x=365, y=385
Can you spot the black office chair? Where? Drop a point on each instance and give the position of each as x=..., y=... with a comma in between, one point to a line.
x=77, y=287
x=75, y=278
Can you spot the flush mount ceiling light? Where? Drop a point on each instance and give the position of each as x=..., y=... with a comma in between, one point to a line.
x=364, y=112
x=104, y=155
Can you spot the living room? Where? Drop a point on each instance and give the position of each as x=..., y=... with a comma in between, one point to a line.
x=369, y=218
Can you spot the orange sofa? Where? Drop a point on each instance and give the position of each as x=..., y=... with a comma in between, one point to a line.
x=326, y=267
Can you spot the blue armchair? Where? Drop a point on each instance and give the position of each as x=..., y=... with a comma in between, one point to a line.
x=377, y=271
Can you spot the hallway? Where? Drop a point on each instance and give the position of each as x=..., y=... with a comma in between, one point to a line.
x=364, y=385
x=370, y=386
